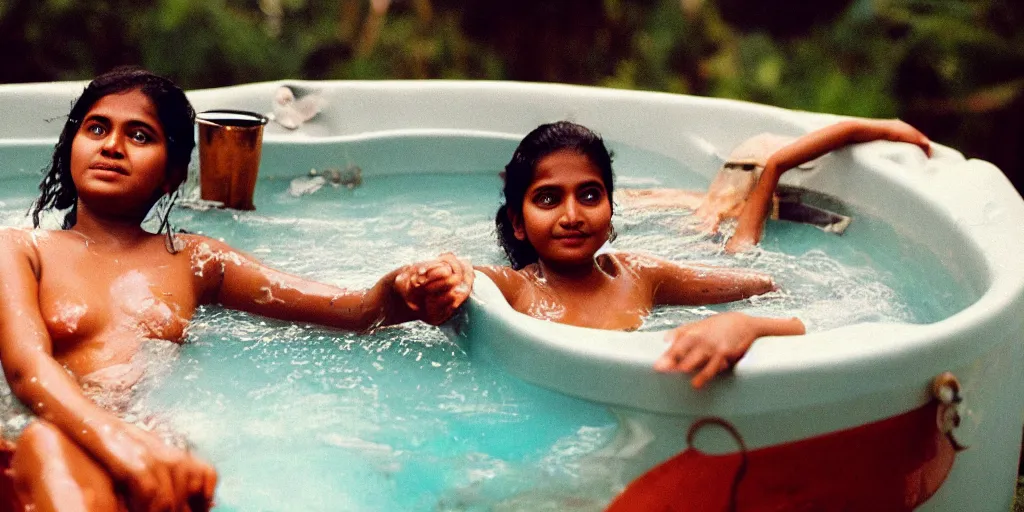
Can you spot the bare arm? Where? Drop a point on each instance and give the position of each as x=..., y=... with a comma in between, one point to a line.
x=714, y=344
x=807, y=148
x=154, y=476
x=237, y=281
x=675, y=284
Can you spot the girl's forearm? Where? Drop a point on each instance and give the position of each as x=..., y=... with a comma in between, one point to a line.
x=382, y=305
x=728, y=285
x=360, y=311
x=750, y=226
x=822, y=141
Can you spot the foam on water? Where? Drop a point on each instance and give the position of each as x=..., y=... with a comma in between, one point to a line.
x=297, y=417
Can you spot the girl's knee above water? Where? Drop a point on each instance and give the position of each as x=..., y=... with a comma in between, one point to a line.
x=557, y=215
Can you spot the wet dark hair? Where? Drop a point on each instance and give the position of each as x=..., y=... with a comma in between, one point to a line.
x=541, y=142
x=174, y=112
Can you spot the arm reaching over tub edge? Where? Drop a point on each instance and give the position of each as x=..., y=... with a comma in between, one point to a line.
x=430, y=291
x=714, y=344
x=750, y=225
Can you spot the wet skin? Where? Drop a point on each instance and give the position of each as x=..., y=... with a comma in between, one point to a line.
x=79, y=303
x=566, y=217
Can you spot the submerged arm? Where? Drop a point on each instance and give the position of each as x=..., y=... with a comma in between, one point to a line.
x=427, y=291
x=157, y=476
x=807, y=148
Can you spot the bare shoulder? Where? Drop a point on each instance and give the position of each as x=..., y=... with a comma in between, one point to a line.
x=503, y=275
x=636, y=260
x=16, y=240
x=206, y=256
x=643, y=269
x=194, y=243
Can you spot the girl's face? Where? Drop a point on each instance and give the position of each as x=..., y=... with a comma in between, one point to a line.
x=567, y=215
x=119, y=155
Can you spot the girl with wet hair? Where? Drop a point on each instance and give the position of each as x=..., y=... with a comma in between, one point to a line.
x=554, y=226
x=81, y=302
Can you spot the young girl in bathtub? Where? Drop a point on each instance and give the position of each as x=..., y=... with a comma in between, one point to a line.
x=78, y=303
x=557, y=218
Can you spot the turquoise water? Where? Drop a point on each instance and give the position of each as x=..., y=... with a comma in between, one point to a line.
x=297, y=417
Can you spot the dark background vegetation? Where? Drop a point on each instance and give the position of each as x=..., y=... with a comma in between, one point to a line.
x=954, y=68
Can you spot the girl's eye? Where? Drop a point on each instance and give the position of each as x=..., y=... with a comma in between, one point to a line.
x=96, y=129
x=590, y=196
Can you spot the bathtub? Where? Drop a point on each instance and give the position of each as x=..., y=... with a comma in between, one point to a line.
x=786, y=389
